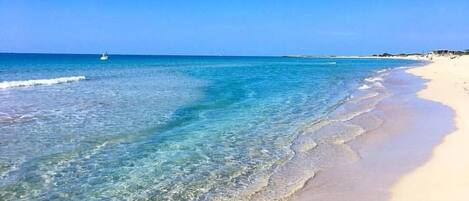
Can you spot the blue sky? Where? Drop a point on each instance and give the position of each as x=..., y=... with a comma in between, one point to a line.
x=222, y=27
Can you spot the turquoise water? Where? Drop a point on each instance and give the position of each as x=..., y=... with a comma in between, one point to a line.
x=161, y=127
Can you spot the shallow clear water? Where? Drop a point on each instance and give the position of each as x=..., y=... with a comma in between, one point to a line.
x=162, y=127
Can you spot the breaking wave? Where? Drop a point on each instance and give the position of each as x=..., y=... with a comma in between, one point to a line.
x=27, y=83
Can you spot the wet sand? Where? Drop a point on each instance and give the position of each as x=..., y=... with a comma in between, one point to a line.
x=445, y=176
x=401, y=132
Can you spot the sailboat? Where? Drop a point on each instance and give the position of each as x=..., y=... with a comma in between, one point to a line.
x=104, y=57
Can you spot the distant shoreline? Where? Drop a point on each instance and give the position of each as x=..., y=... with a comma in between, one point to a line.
x=413, y=56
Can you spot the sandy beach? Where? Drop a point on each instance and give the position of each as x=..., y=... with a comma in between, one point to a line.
x=445, y=175
x=417, y=154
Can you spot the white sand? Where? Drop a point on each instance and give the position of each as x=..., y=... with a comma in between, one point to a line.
x=445, y=176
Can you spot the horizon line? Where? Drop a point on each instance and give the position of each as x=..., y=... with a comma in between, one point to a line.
x=125, y=54
x=189, y=55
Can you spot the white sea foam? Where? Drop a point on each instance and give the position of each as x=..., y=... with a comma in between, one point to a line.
x=364, y=87
x=374, y=79
x=382, y=71
x=27, y=83
x=403, y=67
x=378, y=84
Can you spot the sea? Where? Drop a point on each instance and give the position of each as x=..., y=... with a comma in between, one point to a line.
x=142, y=127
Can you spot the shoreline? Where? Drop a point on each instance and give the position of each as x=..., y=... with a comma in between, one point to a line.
x=444, y=176
x=411, y=128
x=329, y=137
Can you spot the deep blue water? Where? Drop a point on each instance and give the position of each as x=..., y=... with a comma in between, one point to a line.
x=160, y=127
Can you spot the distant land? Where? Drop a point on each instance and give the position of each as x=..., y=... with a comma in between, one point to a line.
x=440, y=52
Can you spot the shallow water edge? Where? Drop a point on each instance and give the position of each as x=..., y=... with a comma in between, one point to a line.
x=401, y=131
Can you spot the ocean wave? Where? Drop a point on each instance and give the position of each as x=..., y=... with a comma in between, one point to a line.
x=27, y=83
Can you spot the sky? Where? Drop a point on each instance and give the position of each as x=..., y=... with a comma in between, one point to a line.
x=233, y=27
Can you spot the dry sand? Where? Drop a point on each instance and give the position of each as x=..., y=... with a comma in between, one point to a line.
x=445, y=176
